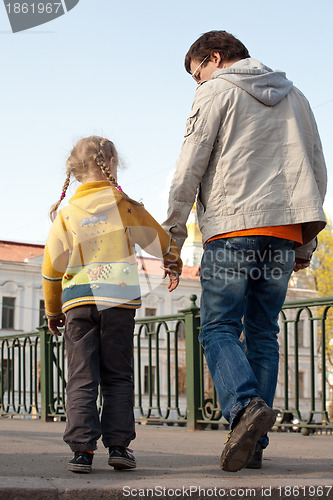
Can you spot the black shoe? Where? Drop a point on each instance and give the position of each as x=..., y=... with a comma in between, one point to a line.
x=256, y=460
x=254, y=422
x=81, y=462
x=121, y=458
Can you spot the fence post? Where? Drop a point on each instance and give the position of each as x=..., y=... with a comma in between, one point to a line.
x=192, y=323
x=45, y=370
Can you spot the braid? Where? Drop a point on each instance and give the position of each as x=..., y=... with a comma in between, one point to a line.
x=54, y=208
x=99, y=158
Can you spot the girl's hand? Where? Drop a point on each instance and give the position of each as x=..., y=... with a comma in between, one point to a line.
x=54, y=324
x=173, y=279
x=173, y=282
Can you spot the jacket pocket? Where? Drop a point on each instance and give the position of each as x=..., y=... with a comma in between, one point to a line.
x=190, y=122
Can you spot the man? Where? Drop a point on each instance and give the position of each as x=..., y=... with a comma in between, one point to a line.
x=253, y=158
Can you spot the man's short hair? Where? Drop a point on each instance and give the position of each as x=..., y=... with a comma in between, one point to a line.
x=227, y=45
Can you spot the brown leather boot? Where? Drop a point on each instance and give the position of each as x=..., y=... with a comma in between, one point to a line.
x=255, y=420
x=256, y=460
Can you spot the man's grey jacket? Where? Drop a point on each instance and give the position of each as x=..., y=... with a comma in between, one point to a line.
x=252, y=155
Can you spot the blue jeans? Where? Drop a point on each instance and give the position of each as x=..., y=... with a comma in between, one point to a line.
x=244, y=284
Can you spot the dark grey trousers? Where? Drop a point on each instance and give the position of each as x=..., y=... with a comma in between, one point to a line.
x=99, y=347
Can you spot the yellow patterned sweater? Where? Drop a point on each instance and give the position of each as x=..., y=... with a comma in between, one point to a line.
x=89, y=256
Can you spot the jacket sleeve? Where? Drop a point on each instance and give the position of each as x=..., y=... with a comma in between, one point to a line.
x=305, y=251
x=319, y=165
x=200, y=134
x=320, y=174
x=152, y=238
x=53, y=268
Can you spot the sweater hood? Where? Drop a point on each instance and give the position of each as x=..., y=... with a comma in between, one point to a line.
x=262, y=83
x=95, y=197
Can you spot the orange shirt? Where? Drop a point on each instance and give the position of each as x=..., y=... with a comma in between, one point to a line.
x=289, y=232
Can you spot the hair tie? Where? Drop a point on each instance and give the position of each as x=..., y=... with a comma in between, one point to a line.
x=63, y=194
x=119, y=188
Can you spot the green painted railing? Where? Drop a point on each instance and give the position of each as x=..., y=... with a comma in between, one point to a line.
x=172, y=382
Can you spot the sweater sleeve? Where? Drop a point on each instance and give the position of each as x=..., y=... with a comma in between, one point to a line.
x=152, y=238
x=53, y=268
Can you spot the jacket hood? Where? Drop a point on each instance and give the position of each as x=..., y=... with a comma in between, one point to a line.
x=261, y=82
x=95, y=197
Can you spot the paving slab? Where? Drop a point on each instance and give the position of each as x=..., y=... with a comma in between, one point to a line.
x=172, y=463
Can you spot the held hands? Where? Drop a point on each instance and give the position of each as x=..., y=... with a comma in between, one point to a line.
x=300, y=264
x=173, y=278
x=168, y=266
x=54, y=324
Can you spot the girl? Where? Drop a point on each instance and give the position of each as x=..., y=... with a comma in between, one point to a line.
x=91, y=285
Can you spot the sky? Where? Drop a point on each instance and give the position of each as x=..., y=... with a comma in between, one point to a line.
x=116, y=69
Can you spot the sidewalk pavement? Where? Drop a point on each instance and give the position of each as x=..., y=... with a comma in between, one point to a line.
x=172, y=462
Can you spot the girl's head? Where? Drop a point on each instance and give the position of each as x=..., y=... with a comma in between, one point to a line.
x=92, y=159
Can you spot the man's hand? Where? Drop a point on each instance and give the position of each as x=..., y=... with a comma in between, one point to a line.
x=300, y=264
x=173, y=278
x=54, y=324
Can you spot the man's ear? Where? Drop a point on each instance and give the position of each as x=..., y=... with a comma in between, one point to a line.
x=216, y=58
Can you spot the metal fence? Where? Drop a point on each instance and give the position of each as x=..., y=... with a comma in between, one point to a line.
x=172, y=382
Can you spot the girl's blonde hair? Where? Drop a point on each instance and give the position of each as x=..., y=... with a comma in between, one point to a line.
x=90, y=155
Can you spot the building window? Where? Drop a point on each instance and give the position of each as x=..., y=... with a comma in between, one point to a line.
x=301, y=385
x=181, y=380
x=301, y=327
x=150, y=311
x=146, y=383
x=41, y=312
x=300, y=331
x=8, y=310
